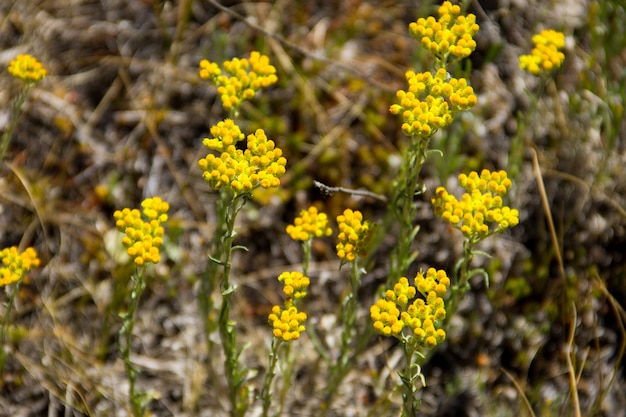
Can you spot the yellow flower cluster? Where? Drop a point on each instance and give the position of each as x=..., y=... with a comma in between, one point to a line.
x=260, y=165
x=546, y=55
x=295, y=285
x=143, y=237
x=287, y=322
x=395, y=311
x=27, y=68
x=354, y=235
x=452, y=34
x=481, y=205
x=13, y=265
x=309, y=224
x=431, y=101
x=240, y=78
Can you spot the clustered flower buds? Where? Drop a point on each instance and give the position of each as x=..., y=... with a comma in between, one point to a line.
x=354, y=235
x=401, y=309
x=13, y=265
x=143, y=230
x=240, y=79
x=546, y=55
x=295, y=284
x=27, y=68
x=309, y=224
x=452, y=34
x=287, y=323
x=430, y=102
x=260, y=165
x=480, y=206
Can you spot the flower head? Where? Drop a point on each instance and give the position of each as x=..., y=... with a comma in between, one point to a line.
x=354, y=235
x=431, y=101
x=13, y=265
x=452, y=34
x=143, y=229
x=287, y=323
x=546, y=55
x=27, y=68
x=261, y=164
x=480, y=206
x=401, y=308
x=295, y=284
x=240, y=79
x=309, y=224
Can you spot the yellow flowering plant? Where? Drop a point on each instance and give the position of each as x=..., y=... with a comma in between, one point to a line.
x=235, y=173
x=13, y=266
x=429, y=103
x=29, y=70
x=143, y=234
x=547, y=54
x=479, y=214
x=239, y=79
x=288, y=321
x=353, y=240
x=413, y=314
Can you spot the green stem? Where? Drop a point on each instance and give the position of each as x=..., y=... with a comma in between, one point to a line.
x=5, y=324
x=349, y=332
x=409, y=377
x=126, y=333
x=235, y=374
x=266, y=392
x=404, y=209
x=17, y=110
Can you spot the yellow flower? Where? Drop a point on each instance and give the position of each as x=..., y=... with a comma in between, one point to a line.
x=143, y=229
x=13, y=265
x=452, y=34
x=386, y=317
x=27, y=68
x=354, y=235
x=395, y=312
x=309, y=224
x=240, y=78
x=480, y=206
x=546, y=55
x=260, y=165
x=430, y=102
x=295, y=284
x=287, y=323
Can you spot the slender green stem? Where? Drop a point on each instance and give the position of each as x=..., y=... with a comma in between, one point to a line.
x=136, y=398
x=266, y=392
x=17, y=110
x=235, y=374
x=409, y=377
x=5, y=324
x=349, y=333
x=404, y=209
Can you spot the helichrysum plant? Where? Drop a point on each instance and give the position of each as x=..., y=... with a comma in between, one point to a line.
x=413, y=315
x=547, y=54
x=239, y=79
x=143, y=236
x=29, y=70
x=13, y=266
x=479, y=213
x=287, y=324
x=235, y=171
x=310, y=224
x=353, y=240
x=429, y=103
